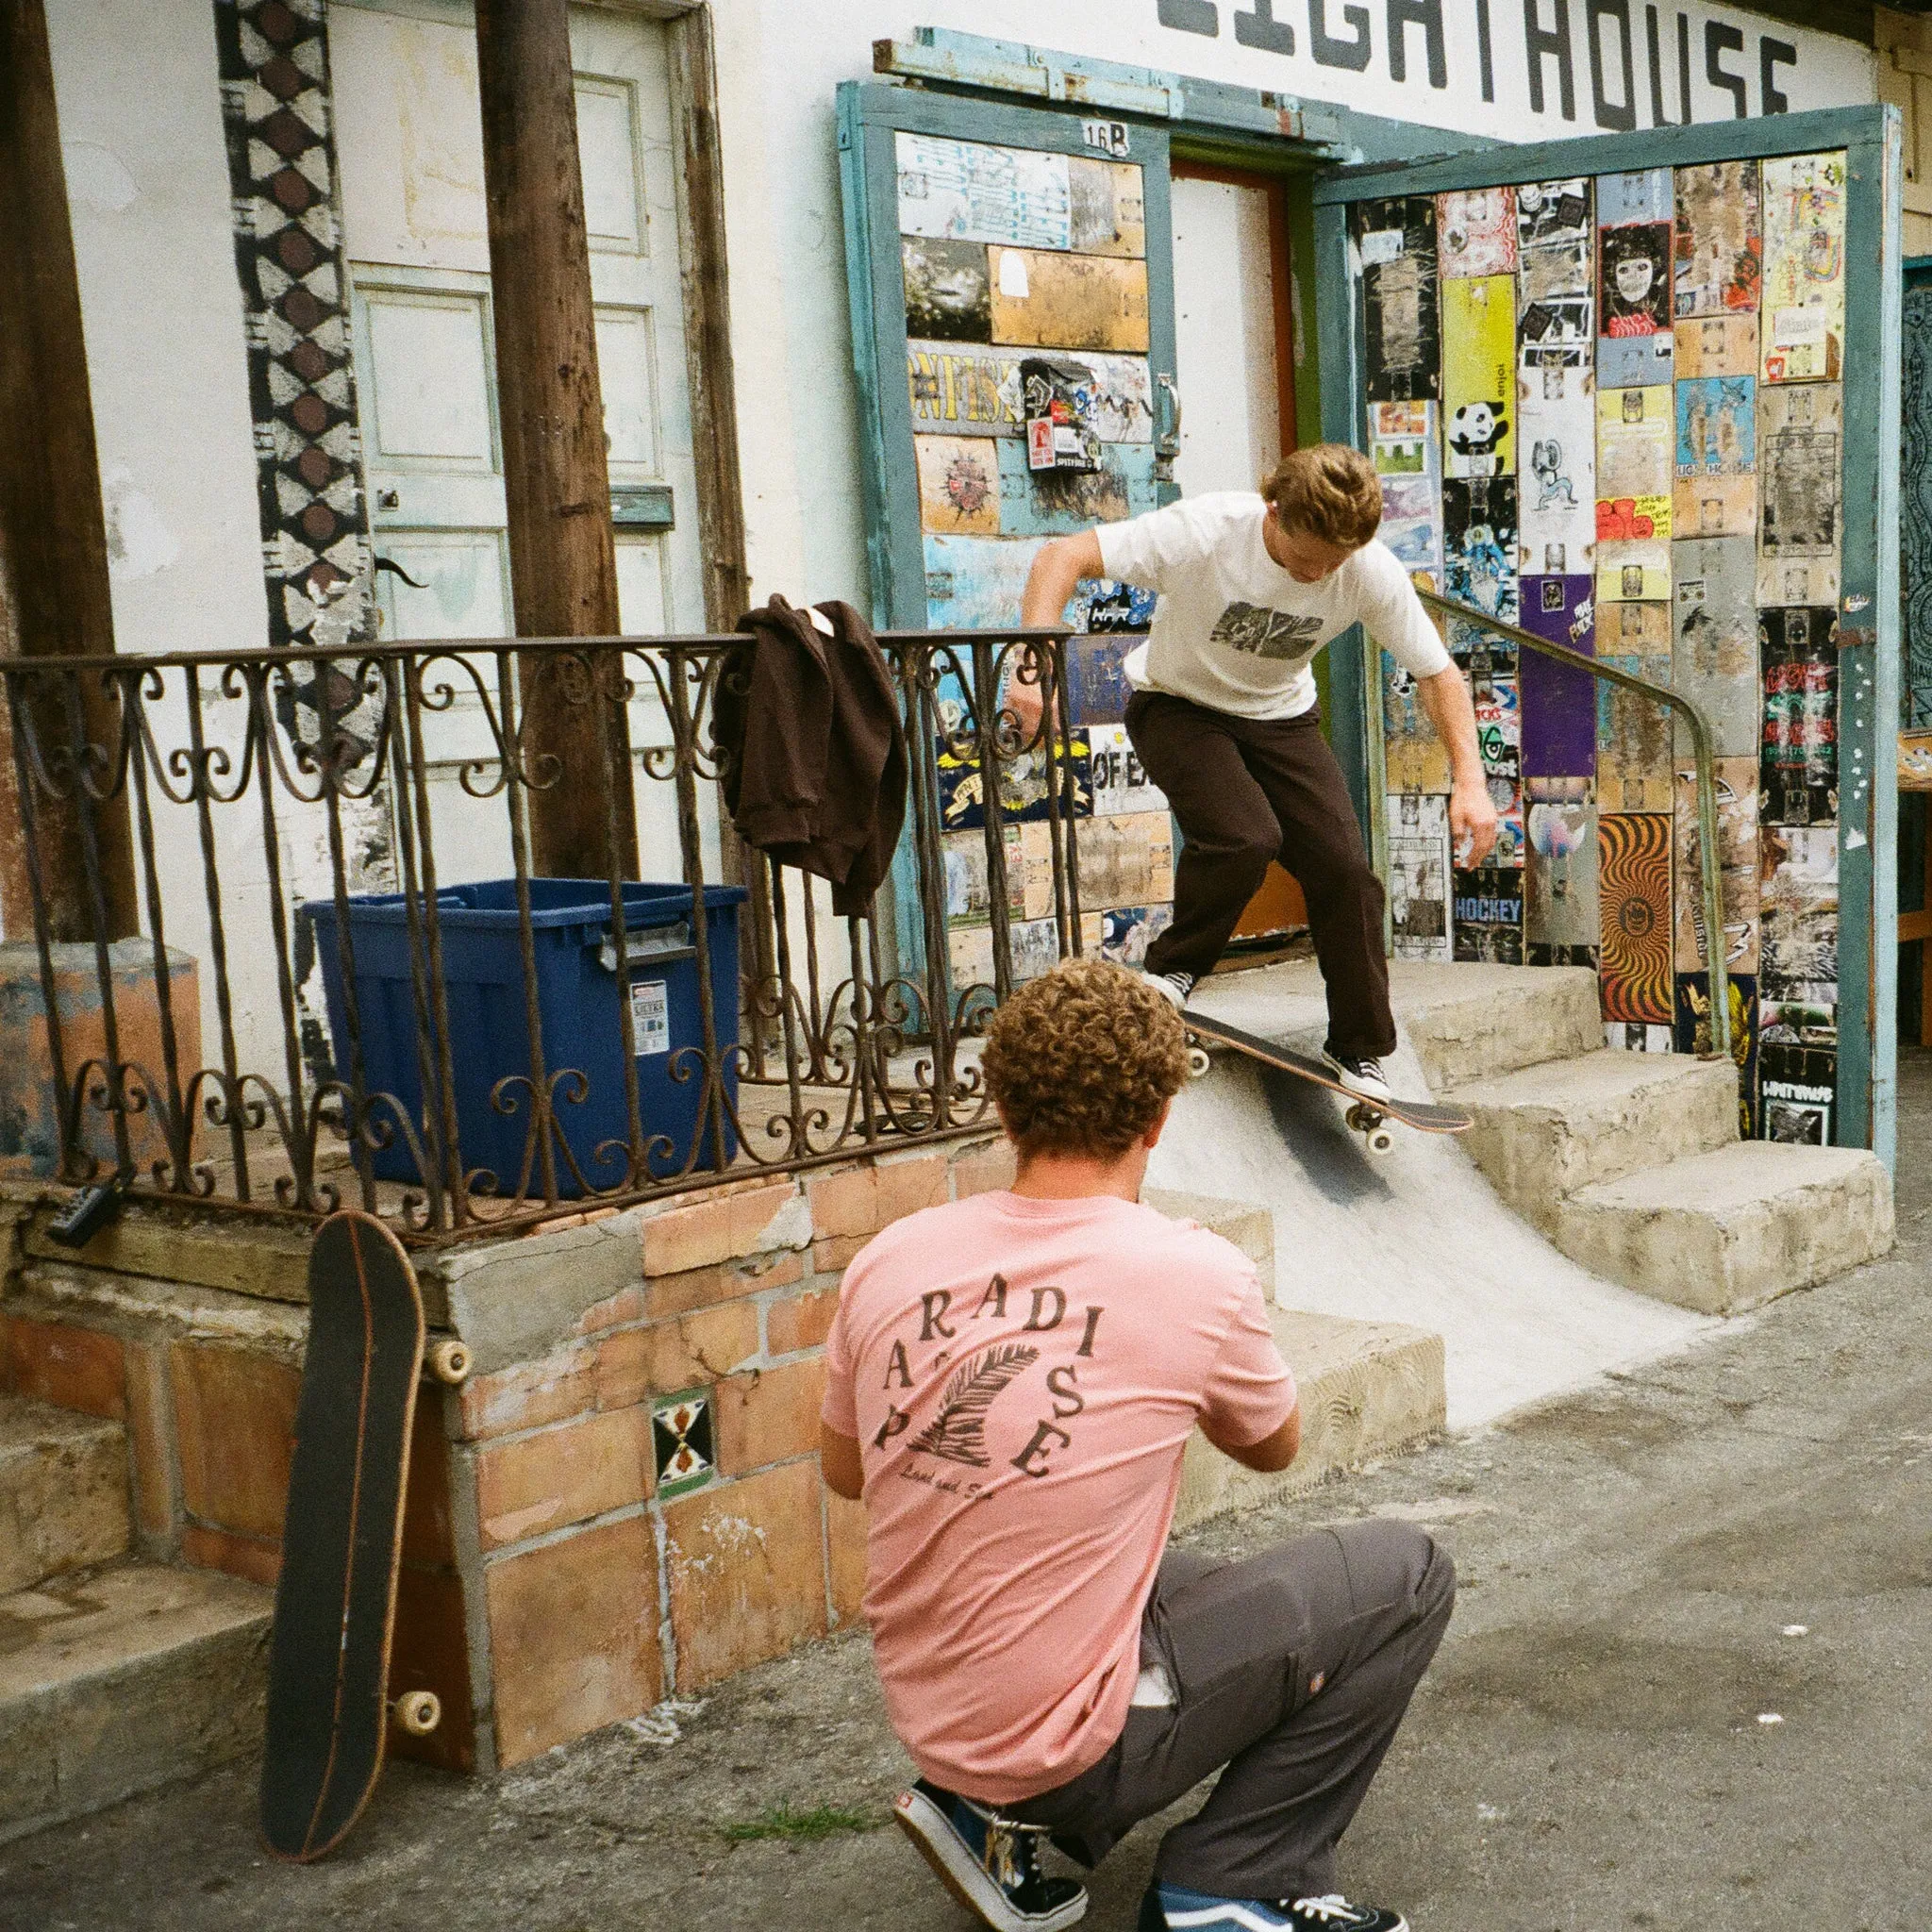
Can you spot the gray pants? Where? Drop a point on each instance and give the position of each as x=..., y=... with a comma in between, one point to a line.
x=1292, y=1670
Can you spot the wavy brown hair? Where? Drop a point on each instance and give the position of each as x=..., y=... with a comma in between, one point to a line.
x=1329, y=490
x=1083, y=1060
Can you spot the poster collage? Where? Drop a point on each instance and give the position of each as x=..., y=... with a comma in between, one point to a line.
x=1027, y=366
x=1610, y=411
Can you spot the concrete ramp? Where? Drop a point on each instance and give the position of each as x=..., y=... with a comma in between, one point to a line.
x=1416, y=1235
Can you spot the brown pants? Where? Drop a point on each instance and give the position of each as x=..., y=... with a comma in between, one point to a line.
x=1246, y=791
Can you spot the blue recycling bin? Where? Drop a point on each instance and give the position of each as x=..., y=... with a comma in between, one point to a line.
x=578, y=997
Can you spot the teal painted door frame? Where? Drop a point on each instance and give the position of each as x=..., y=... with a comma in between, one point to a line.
x=1868, y=626
x=871, y=115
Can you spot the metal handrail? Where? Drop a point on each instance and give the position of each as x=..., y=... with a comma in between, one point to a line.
x=1711, y=858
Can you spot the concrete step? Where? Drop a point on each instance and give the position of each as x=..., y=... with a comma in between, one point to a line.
x=1546, y=1131
x=1367, y=1388
x=1466, y=1021
x=121, y=1679
x=1470, y=1023
x=63, y=1492
x=1734, y=1228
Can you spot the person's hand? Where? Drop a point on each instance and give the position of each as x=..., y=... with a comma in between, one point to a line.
x=1471, y=823
x=1024, y=695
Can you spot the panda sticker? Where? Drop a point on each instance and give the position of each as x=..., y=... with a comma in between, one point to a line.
x=1477, y=431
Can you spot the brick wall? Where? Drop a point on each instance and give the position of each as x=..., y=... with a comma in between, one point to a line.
x=622, y=1501
x=614, y=1571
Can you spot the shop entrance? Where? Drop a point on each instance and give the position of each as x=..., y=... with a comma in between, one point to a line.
x=1234, y=350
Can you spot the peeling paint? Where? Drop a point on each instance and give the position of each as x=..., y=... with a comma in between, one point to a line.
x=139, y=545
x=97, y=179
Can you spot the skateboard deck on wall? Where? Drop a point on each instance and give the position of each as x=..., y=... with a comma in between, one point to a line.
x=328, y=1703
x=1365, y=1116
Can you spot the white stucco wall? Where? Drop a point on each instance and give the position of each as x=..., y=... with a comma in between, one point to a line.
x=141, y=121
x=147, y=177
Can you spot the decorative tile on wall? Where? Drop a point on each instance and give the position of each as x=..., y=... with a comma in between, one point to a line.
x=1797, y=896
x=682, y=1448
x=1720, y=247
x=1737, y=828
x=1714, y=649
x=1419, y=870
x=1414, y=758
x=1560, y=916
x=272, y=59
x=1799, y=773
x=1558, y=703
x=1488, y=915
x=1395, y=243
x=1694, y=1035
x=1556, y=432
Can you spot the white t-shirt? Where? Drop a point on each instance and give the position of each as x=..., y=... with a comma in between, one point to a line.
x=1232, y=629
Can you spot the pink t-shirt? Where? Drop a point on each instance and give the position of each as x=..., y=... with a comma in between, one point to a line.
x=1023, y=1376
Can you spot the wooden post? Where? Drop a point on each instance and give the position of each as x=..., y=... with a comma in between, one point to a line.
x=53, y=534
x=563, y=561
x=708, y=316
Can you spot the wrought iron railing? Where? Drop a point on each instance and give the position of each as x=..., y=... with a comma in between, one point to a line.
x=295, y=814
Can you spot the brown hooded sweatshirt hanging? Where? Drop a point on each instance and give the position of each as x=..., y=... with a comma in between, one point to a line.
x=816, y=767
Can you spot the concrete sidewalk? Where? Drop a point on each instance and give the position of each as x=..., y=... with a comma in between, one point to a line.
x=1592, y=1751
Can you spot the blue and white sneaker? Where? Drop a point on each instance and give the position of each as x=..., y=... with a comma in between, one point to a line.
x=988, y=1863
x=1174, y=1908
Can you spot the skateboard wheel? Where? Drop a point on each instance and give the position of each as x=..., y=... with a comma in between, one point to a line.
x=449, y=1361
x=1197, y=1062
x=419, y=1712
x=1380, y=1141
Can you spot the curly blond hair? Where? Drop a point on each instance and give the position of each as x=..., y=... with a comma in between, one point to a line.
x=1330, y=492
x=1083, y=1060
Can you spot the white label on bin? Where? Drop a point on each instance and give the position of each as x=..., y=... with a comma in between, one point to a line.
x=650, y=1016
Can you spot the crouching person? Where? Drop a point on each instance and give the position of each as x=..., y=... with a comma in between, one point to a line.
x=1012, y=1380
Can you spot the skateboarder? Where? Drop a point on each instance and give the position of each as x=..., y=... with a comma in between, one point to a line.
x=1224, y=720
x=1012, y=1382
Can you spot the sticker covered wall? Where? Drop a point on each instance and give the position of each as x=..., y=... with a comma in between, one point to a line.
x=1659, y=486
x=1029, y=329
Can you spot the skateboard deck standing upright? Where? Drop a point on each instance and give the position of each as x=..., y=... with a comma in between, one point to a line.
x=1367, y=1117
x=335, y=1600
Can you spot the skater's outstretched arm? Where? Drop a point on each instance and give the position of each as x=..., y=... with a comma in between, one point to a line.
x=1472, y=812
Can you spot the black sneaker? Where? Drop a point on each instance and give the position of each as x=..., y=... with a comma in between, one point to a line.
x=1361, y=1074
x=1174, y=1906
x=988, y=1863
x=1174, y=986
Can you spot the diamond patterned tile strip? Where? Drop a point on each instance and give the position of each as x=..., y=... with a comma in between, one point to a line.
x=316, y=549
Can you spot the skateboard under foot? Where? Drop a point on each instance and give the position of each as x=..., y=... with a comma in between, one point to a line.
x=1368, y=1118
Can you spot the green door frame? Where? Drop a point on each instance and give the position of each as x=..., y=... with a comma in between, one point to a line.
x=968, y=88
x=1869, y=602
